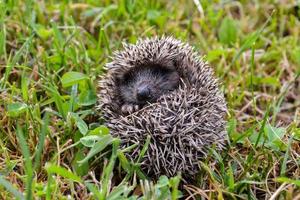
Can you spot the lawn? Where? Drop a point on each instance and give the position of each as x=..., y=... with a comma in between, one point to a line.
x=53, y=144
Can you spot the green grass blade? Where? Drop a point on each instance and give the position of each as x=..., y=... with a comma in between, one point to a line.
x=63, y=172
x=41, y=143
x=288, y=180
x=144, y=149
x=105, y=186
x=15, y=59
x=251, y=40
x=94, y=190
x=98, y=147
x=286, y=156
x=9, y=187
x=119, y=192
x=24, y=86
x=261, y=130
x=59, y=101
x=28, y=162
x=48, y=188
x=2, y=29
x=174, y=182
x=251, y=78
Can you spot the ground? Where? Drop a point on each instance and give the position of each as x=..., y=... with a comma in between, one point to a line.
x=53, y=52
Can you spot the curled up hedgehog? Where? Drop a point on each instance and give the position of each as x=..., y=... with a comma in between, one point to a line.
x=161, y=88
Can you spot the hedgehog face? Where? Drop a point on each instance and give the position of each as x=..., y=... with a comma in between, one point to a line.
x=146, y=84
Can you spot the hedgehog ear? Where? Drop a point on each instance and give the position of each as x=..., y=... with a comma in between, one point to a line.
x=168, y=64
x=175, y=63
x=118, y=79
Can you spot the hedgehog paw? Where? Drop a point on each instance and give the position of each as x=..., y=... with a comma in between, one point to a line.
x=129, y=108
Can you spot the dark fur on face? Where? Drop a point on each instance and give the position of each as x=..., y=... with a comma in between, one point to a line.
x=146, y=84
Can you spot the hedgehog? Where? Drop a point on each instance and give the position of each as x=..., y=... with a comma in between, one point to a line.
x=184, y=117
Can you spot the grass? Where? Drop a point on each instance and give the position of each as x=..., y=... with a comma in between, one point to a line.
x=52, y=144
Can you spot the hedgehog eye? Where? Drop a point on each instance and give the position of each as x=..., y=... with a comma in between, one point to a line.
x=162, y=71
x=127, y=77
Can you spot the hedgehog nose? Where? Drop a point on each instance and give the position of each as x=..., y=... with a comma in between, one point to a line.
x=143, y=93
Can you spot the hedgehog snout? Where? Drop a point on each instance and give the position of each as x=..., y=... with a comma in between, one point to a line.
x=143, y=93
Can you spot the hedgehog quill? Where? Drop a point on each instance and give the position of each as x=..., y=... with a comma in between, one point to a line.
x=161, y=87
